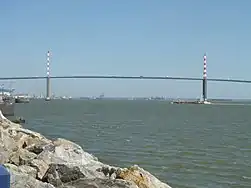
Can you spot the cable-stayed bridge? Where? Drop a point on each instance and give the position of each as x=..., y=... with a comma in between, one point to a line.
x=204, y=79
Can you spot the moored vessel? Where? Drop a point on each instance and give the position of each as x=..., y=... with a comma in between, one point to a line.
x=47, y=99
x=22, y=99
x=190, y=102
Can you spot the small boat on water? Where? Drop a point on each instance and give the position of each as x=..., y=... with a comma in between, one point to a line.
x=47, y=99
x=22, y=98
x=19, y=120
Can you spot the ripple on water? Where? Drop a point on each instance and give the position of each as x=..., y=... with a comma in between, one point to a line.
x=187, y=146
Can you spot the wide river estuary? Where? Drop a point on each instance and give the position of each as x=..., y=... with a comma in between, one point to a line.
x=192, y=146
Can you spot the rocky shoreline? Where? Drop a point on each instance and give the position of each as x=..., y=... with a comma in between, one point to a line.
x=37, y=162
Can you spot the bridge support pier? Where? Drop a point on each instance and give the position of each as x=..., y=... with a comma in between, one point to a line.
x=48, y=97
x=48, y=92
x=204, y=81
x=204, y=90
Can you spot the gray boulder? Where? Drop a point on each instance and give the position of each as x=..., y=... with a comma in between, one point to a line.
x=24, y=180
x=23, y=169
x=72, y=155
x=100, y=183
x=57, y=174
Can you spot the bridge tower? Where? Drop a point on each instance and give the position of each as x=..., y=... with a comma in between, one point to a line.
x=48, y=92
x=204, y=81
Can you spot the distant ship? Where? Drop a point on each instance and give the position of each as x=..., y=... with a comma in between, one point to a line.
x=22, y=99
x=66, y=98
x=102, y=96
x=47, y=99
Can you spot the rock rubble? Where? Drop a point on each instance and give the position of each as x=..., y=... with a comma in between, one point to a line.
x=37, y=162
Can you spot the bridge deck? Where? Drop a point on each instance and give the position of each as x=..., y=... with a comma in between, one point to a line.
x=126, y=77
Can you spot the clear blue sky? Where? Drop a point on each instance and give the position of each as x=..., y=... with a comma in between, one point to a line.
x=134, y=37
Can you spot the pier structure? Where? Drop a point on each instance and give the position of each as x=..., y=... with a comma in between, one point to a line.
x=48, y=87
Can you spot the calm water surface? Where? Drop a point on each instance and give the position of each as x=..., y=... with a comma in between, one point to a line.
x=184, y=145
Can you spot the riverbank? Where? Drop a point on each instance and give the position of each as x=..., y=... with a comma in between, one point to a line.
x=35, y=161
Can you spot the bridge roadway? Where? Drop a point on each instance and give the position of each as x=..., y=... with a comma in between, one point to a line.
x=126, y=77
